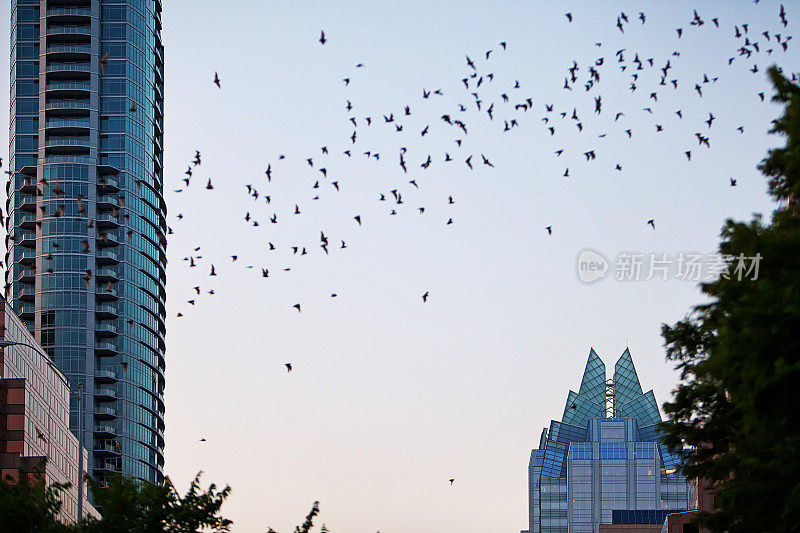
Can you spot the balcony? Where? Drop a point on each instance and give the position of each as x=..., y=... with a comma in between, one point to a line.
x=106, y=274
x=105, y=348
x=28, y=186
x=107, y=185
x=107, y=257
x=67, y=108
x=106, y=311
x=70, y=34
x=69, y=125
x=27, y=293
x=66, y=159
x=106, y=221
x=62, y=29
x=105, y=376
x=66, y=146
x=105, y=395
x=106, y=466
x=68, y=52
x=107, y=203
x=27, y=220
x=26, y=256
x=68, y=48
x=59, y=85
x=107, y=449
x=105, y=413
x=72, y=103
x=106, y=331
x=67, y=89
x=106, y=295
x=67, y=141
x=67, y=66
x=29, y=170
x=105, y=430
x=28, y=239
x=56, y=11
x=27, y=276
x=67, y=71
x=28, y=203
x=107, y=170
x=69, y=14
x=107, y=240
x=27, y=311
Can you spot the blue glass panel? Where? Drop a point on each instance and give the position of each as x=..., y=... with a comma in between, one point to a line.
x=593, y=384
x=626, y=381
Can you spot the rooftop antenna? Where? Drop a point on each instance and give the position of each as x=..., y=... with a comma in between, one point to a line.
x=610, y=403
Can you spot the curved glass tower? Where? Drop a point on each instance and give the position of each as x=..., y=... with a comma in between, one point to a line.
x=87, y=220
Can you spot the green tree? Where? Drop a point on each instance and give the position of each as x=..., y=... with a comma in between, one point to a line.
x=309, y=522
x=738, y=402
x=29, y=505
x=130, y=506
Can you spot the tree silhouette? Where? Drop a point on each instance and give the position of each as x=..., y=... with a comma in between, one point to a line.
x=736, y=406
x=133, y=506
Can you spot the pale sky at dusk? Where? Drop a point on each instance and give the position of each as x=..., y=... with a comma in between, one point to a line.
x=391, y=397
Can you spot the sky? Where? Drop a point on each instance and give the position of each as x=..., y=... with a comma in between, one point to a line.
x=390, y=396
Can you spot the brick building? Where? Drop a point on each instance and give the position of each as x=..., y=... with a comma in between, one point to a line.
x=34, y=416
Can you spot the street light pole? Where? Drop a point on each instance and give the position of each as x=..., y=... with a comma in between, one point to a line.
x=81, y=414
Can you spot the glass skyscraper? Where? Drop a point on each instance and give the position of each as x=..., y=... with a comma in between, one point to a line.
x=604, y=462
x=87, y=220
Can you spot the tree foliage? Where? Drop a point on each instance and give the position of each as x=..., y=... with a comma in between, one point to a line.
x=128, y=506
x=309, y=522
x=738, y=403
x=28, y=505
x=132, y=506
x=782, y=165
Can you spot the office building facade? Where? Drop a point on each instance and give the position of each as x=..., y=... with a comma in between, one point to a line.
x=35, y=438
x=604, y=460
x=87, y=219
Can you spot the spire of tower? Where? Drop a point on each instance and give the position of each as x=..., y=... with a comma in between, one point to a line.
x=593, y=384
x=626, y=381
x=590, y=400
